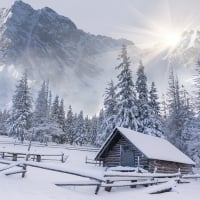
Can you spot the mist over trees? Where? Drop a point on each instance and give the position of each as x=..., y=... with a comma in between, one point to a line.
x=128, y=103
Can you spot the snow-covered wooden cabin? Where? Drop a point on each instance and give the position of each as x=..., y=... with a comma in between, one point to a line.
x=125, y=147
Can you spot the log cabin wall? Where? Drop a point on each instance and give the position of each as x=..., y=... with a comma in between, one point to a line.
x=113, y=155
x=169, y=167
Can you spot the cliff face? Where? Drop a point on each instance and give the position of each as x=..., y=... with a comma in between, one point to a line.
x=50, y=46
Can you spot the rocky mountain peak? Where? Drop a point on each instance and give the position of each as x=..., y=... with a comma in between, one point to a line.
x=50, y=46
x=19, y=6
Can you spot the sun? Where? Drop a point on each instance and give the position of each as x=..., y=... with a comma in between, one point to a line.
x=170, y=38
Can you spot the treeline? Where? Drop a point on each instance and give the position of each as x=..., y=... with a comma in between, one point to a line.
x=127, y=103
x=45, y=119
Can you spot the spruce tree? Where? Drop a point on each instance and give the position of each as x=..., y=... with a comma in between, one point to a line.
x=108, y=123
x=110, y=100
x=41, y=107
x=155, y=122
x=177, y=109
x=197, y=88
x=4, y=116
x=88, y=125
x=70, y=126
x=126, y=107
x=153, y=100
x=55, y=110
x=93, y=130
x=80, y=130
x=61, y=115
x=21, y=117
x=100, y=121
x=142, y=103
x=163, y=107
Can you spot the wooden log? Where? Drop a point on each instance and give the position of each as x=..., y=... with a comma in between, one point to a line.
x=161, y=191
x=85, y=183
x=78, y=183
x=121, y=184
x=63, y=170
x=10, y=165
x=15, y=172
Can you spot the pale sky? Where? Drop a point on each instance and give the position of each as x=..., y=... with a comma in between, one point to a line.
x=137, y=20
x=145, y=22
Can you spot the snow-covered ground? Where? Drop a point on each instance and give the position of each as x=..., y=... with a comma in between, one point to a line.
x=39, y=184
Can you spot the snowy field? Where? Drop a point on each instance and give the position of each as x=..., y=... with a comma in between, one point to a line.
x=39, y=184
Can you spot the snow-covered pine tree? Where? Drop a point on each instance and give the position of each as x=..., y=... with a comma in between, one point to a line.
x=142, y=103
x=191, y=138
x=173, y=125
x=93, y=130
x=172, y=93
x=55, y=110
x=55, y=130
x=110, y=100
x=177, y=112
x=4, y=116
x=61, y=121
x=49, y=105
x=40, y=115
x=153, y=100
x=163, y=107
x=191, y=127
x=155, y=123
x=61, y=115
x=108, y=124
x=126, y=107
x=70, y=126
x=197, y=86
x=21, y=117
x=88, y=126
x=80, y=130
x=100, y=121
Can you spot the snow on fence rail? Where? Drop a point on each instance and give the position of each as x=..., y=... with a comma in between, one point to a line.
x=10, y=166
x=132, y=179
x=85, y=174
x=51, y=145
x=108, y=180
x=191, y=176
x=92, y=161
x=32, y=155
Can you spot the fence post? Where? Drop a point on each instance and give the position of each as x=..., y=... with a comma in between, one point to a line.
x=179, y=176
x=14, y=157
x=62, y=158
x=24, y=168
x=38, y=158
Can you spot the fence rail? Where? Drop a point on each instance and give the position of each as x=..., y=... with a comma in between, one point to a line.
x=50, y=145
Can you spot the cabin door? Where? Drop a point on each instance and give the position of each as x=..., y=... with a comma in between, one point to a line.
x=127, y=155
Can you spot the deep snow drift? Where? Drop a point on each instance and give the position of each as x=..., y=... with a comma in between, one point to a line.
x=39, y=184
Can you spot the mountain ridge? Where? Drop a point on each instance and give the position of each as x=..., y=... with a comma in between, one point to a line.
x=50, y=46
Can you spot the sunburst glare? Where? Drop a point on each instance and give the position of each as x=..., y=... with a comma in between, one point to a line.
x=169, y=38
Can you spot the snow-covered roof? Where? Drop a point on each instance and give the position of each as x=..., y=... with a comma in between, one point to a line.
x=153, y=147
